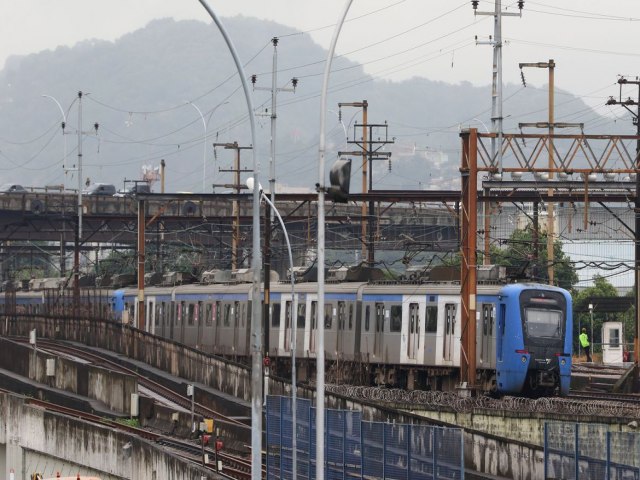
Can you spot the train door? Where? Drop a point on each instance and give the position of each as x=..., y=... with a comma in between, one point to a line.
x=413, y=327
x=247, y=327
x=207, y=326
x=486, y=330
x=150, y=314
x=342, y=313
x=313, y=325
x=199, y=319
x=449, y=330
x=287, y=325
x=301, y=323
x=379, y=330
x=235, y=314
x=217, y=320
x=172, y=319
x=500, y=332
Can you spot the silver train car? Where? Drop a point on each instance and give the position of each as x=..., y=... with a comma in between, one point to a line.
x=401, y=335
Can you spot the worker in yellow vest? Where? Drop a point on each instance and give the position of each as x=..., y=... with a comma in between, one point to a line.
x=584, y=343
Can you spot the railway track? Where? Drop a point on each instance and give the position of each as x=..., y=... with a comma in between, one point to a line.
x=233, y=466
x=236, y=467
x=155, y=387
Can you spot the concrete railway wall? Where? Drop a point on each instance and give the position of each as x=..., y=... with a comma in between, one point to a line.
x=493, y=453
x=34, y=440
x=112, y=389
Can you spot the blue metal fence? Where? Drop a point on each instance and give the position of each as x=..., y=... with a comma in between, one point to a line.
x=358, y=449
x=590, y=452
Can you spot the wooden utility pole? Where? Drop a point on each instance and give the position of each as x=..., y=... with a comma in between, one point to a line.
x=370, y=151
x=235, y=236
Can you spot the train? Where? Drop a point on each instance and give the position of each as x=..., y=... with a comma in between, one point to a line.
x=394, y=334
x=404, y=335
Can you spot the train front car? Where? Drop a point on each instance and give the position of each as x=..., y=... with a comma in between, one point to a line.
x=534, y=340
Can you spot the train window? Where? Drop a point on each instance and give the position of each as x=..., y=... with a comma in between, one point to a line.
x=541, y=322
x=226, y=317
x=379, y=317
x=450, y=318
x=275, y=315
x=350, y=316
x=431, y=324
x=208, y=318
x=314, y=315
x=414, y=318
x=199, y=311
x=328, y=315
x=302, y=310
x=157, y=316
x=485, y=319
x=341, y=314
x=190, y=314
x=181, y=311
x=216, y=312
x=236, y=314
x=287, y=314
x=367, y=314
x=396, y=318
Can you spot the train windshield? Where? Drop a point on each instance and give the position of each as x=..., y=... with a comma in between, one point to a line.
x=542, y=322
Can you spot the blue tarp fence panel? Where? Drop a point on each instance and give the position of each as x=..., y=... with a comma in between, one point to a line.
x=574, y=451
x=357, y=449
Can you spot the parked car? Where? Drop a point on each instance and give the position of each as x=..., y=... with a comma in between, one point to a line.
x=134, y=189
x=100, y=189
x=12, y=188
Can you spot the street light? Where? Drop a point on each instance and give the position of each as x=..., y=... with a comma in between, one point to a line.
x=204, y=150
x=64, y=124
x=294, y=326
x=320, y=386
x=256, y=261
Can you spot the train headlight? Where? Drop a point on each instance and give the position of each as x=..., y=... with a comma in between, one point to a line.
x=563, y=362
x=524, y=359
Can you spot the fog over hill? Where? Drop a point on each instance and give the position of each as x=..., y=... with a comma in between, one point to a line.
x=137, y=89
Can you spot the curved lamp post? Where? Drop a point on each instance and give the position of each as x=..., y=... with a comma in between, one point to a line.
x=321, y=186
x=64, y=124
x=294, y=326
x=256, y=261
x=204, y=151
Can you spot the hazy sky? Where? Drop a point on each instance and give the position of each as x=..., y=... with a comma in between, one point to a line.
x=591, y=41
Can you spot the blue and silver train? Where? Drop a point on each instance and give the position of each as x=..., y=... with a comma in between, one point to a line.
x=401, y=335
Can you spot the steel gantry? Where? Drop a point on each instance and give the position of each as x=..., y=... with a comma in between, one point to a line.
x=611, y=156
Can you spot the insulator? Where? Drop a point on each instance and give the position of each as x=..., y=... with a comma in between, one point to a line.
x=474, y=4
x=254, y=79
x=520, y=4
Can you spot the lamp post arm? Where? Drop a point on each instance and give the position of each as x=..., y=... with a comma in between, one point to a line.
x=256, y=262
x=320, y=386
x=294, y=328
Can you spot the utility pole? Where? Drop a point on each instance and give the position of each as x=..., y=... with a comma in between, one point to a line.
x=370, y=151
x=78, y=232
x=235, y=237
x=269, y=214
x=629, y=102
x=496, y=99
x=550, y=125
